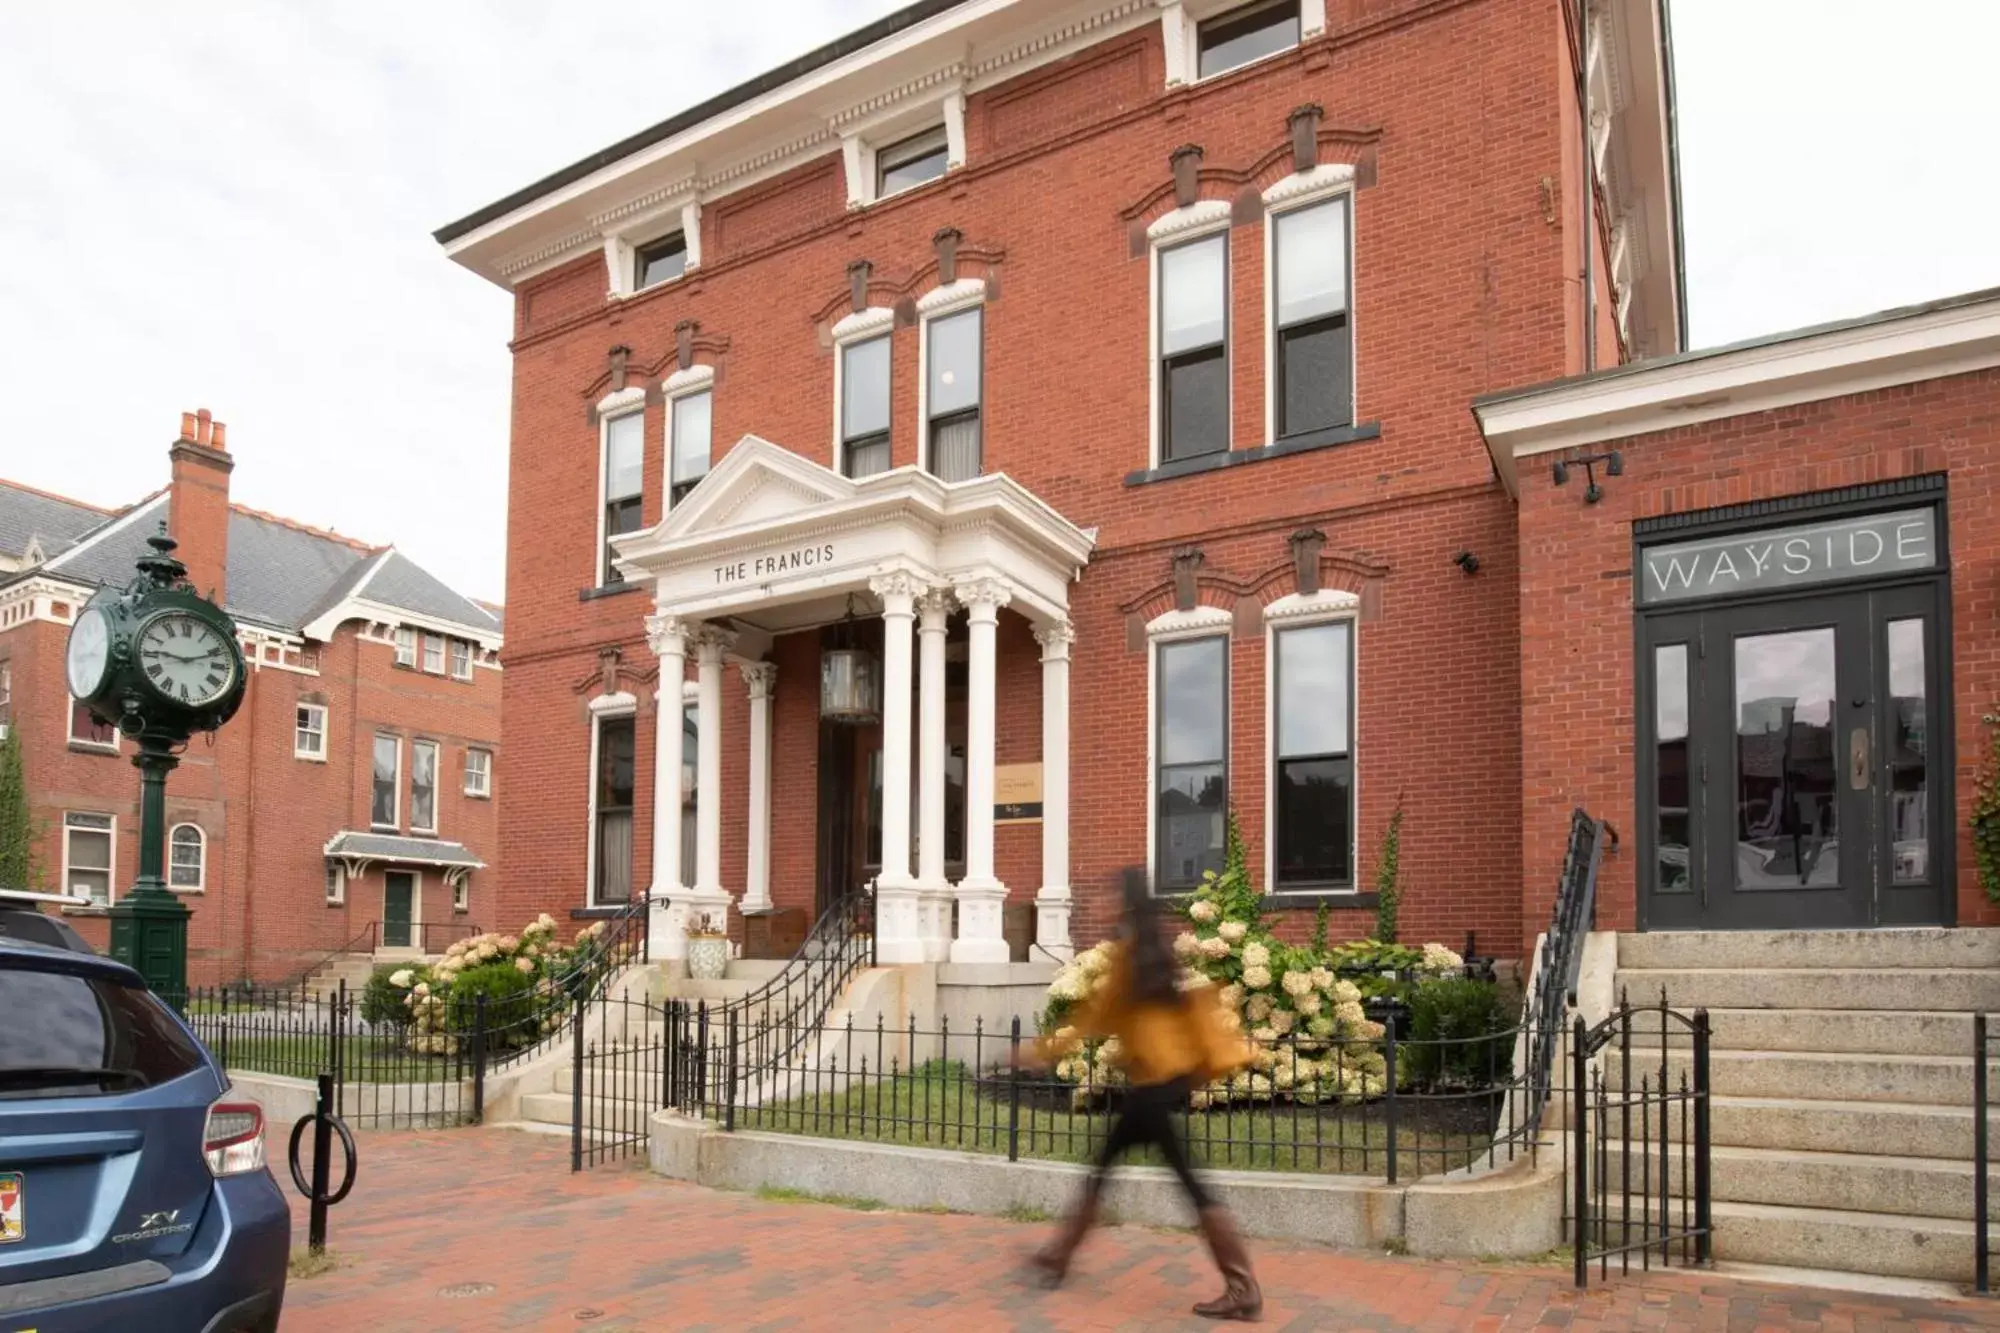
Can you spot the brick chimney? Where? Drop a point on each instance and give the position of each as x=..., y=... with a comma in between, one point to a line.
x=198, y=501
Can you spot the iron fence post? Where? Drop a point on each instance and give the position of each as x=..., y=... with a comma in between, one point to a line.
x=322, y=1150
x=338, y=1031
x=1014, y=1102
x=479, y=1058
x=1580, y=1149
x=222, y=1037
x=729, y=1103
x=1703, y=1221
x=1979, y=1154
x=1389, y=1079
x=576, y=1084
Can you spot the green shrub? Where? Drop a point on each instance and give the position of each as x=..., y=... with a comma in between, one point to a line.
x=1472, y=1017
x=511, y=1004
x=1388, y=869
x=382, y=1003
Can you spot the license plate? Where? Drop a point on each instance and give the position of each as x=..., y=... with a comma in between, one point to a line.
x=13, y=1213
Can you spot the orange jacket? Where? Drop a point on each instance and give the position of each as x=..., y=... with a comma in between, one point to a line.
x=1197, y=1039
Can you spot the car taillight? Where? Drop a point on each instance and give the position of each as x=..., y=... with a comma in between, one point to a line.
x=233, y=1141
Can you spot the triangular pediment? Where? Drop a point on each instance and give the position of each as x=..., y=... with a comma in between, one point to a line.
x=757, y=483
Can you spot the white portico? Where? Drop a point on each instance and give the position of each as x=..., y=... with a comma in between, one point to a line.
x=771, y=544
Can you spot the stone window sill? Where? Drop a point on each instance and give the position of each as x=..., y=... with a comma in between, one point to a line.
x=593, y=913
x=86, y=747
x=1305, y=896
x=605, y=590
x=1285, y=448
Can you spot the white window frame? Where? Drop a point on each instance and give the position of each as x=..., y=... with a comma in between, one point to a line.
x=437, y=796
x=1195, y=222
x=621, y=247
x=416, y=902
x=461, y=893
x=1323, y=184
x=1180, y=22
x=406, y=644
x=201, y=867
x=625, y=402
x=300, y=751
x=6, y=694
x=1201, y=623
x=484, y=790
x=604, y=707
x=941, y=303
x=638, y=284
x=860, y=143
x=396, y=788
x=877, y=321
x=111, y=875
x=434, y=650
x=697, y=379
x=84, y=742
x=336, y=884
x=460, y=653
x=1302, y=611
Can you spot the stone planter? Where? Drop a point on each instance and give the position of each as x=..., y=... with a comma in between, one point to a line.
x=708, y=957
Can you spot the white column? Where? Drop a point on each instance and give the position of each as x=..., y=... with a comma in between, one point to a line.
x=980, y=894
x=710, y=645
x=933, y=891
x=667, y=925
x=762, y=678
x=1053, y=902
x=897, y=935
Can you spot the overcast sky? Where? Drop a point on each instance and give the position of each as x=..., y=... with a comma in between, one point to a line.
x=230, y=206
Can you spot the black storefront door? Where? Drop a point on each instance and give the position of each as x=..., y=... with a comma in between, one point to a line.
x=1792, y=768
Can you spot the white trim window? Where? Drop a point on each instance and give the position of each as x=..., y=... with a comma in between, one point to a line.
x=385, y=794
x=461, y=894
x=336, y=884
x=90, y=851
x=1189, y=777
x=621, y=483
x=660, y=260
x=1311, y=733
x=1237, y=37
x=461, y=660
x=690, y=438
x=863, y=394
x=613, y=765
x=479, y=773
x=187, y=858
x=954, y=357
x=434, y=654
x=1191, y=338
x=309, y=733
x=909, y=162
x=86, y=732
x=6, y=694
x=406, y=646
x=1310, y=338
x=423, y=787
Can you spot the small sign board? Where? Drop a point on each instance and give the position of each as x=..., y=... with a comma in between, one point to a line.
x=1017, y=794
x=1811, y=553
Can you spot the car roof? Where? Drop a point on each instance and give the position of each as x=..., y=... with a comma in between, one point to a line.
x=31, y=956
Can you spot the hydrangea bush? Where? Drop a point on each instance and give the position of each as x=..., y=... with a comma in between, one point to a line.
x=509, y=970
x=1309, y=1039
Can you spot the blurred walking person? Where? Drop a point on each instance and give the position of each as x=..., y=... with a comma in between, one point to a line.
x=1173, y=1042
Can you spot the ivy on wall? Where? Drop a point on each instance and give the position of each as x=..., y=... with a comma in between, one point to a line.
x=1986, y=812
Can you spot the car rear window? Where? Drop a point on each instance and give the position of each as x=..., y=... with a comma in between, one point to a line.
x=82, y=1036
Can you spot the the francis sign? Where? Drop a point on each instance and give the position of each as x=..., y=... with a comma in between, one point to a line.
x=1776, y=558
x=776, y=562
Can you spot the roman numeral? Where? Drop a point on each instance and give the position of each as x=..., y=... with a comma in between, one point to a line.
x=213, y=682
x=154, y=669
x=183, y=690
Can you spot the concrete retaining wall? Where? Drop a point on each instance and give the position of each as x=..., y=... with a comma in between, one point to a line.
x=376, y=1105
x=1516, y=1211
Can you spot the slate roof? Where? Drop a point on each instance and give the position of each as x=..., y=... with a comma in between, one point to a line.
x=402, y=583
x=28, y=516
x=407, y=851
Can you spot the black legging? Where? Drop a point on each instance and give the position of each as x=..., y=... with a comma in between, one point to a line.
x=1147, y=1119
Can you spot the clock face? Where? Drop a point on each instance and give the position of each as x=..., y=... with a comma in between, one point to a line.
x=89, y=650
x=186, y=659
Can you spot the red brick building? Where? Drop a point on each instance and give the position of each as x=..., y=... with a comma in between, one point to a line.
x=1098, y=373
x=350, y=801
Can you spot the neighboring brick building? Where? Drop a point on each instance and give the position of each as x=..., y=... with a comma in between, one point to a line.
x=285, y=838
x=1127, y=345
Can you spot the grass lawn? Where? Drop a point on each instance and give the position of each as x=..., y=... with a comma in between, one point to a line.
x=942, y=1105
x=377, y=1058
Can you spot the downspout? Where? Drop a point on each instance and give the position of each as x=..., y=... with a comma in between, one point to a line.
x=1582, y=74
x=250, y=827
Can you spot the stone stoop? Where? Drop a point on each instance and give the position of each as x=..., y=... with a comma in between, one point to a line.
x=1841, y=1081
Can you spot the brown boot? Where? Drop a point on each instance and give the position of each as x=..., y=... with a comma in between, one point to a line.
x=1052, y=1260
x=1240, y=1297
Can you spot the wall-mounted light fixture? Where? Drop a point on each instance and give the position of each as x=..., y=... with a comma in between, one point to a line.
x=1466, y=561
x=1614, y=466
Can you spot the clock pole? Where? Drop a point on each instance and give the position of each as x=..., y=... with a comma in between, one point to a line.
x=149, y=926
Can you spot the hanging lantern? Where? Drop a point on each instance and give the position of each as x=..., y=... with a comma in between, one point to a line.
x=850, y=679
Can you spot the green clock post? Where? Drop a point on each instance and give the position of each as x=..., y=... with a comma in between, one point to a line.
x=159, y=662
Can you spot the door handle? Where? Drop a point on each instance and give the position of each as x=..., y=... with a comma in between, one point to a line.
x=1857, y=759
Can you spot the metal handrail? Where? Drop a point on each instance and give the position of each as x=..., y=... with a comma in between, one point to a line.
x=352, y=946
x=840, y=944
x=1554, y=990
x=567, y=994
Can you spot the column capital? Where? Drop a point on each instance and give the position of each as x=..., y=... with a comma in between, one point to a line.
x=983, y=597
x=934, y=605
x=710, y=643
x=761, y=677
x=1055, y=638
x=896, y=587
x=667, y=634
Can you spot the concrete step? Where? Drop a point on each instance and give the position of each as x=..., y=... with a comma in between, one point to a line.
x=1913, y=1129
x=1926, y=989
x=1891, y=1032
x=1871, y=950
x=1933, y=1248
x=758, y=970
x=1944, y=1080
x=1848, y=1182
x=553, y=1108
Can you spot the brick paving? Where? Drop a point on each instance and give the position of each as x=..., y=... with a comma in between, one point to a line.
x=487, y=1229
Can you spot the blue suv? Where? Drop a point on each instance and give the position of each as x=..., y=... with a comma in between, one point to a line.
x=133, y=1190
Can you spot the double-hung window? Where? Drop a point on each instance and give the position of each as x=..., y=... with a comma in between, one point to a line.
x=87, y=843
x=663, y=259
x=1313, y=759
x=624, y=469
x=434, y=654
x=1243, y=35
x=864, y=407
x=952, y=391
x=910, y=162
x=461, y=660
x=479, y=773
x=423, y=786
x=383, y=808
x=187, y=852
x=1194, y=347
x=1191, y=783
x=309, y=732
x=692, y=425
x=86, y=731
x=1313, y=359
x=612, y=802
x=406, y=646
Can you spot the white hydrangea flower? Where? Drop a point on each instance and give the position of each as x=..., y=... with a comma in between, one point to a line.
x=1231, y=996
x=1094, y=961
x=1186, y=945
x=1308, y=1004
x=1346, y=992
x=423, y=989
x=1439, y=960
x=1296, y=984
x=1264, y=1034
x=401, y=980
x=1282, y=1020
x=1256, y=978
x=1233, y=931
x=1215, y=947
x=1322, y=978
x=524, y=964
x=1258, y=1009
x=1321, y=1026
x=1256, y=955
x=487, y=953
x=1203, y=911
x=1283, y=1076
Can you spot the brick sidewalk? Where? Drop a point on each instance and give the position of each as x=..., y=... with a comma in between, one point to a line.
x=498, y=1214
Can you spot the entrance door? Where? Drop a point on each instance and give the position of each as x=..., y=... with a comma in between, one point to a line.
x=1794, y=781
x=399, y=894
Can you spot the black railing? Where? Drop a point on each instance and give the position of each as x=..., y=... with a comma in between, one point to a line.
x=1982, y=1247
x=428, y=937
x=840, y=944
x=1639, y=1143
x=1553, y=992
x=535, y=1020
